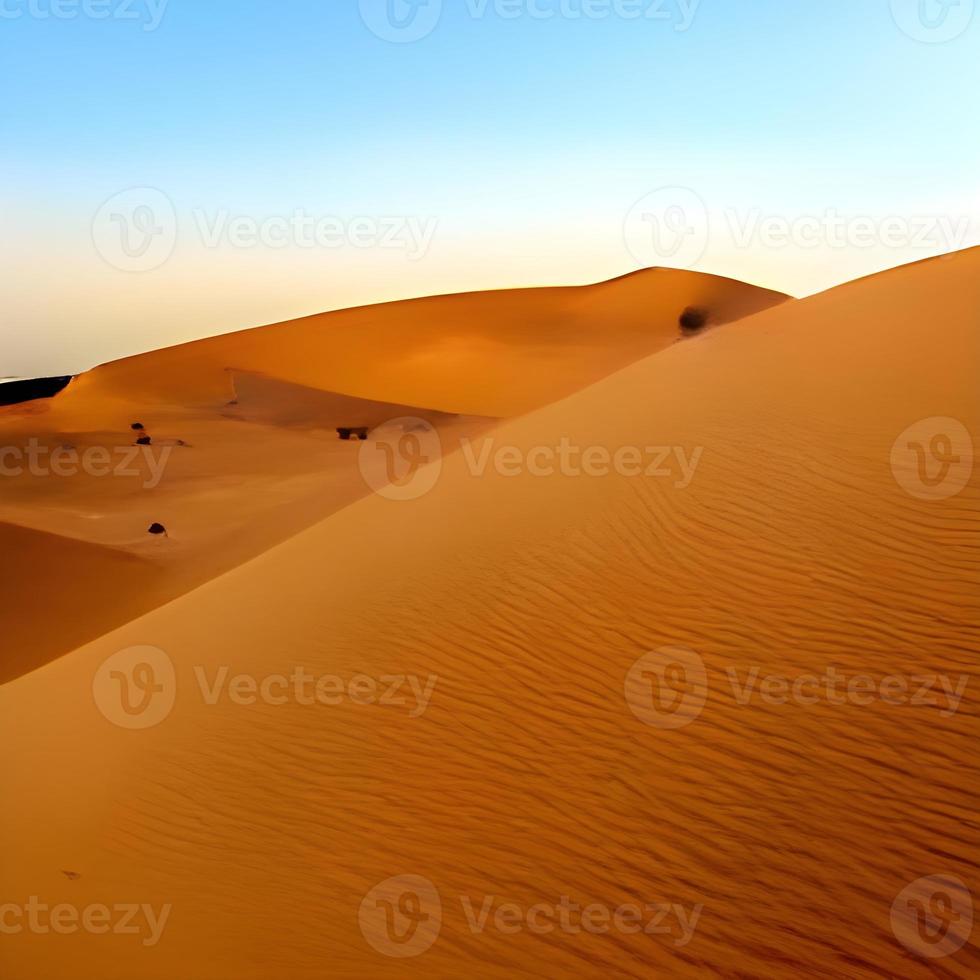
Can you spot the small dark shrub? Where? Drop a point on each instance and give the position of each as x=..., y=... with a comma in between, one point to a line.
x=157, y=529
x=693, y=319
x=358, y=433
x=144, y=441
x=137, y=427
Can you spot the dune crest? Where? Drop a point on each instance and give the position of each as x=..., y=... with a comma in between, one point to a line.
x=497, y=353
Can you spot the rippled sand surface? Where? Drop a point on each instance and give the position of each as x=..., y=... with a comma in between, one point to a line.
x=728, y=703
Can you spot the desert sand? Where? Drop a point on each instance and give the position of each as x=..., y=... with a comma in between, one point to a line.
x=243, y=426
x=492, y=353
x=776, y=836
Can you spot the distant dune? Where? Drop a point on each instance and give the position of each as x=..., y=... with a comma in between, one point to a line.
x=772, y=534
x=243, y=427
x=493, y=353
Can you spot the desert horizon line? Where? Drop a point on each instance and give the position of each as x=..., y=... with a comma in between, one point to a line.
x=478, y=292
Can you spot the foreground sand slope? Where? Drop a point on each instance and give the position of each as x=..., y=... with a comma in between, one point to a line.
x=534, y=773
x=497, y=353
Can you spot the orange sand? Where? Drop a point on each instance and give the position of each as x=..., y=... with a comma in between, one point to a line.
x=258, y=413
x=495, y=353
x=529, y=777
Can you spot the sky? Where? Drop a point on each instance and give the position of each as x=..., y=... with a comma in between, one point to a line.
x=173, y=169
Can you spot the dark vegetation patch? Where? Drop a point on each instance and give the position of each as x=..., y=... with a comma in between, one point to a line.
x=693, y=319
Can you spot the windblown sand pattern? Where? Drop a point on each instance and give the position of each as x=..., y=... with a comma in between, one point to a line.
x=773, y=837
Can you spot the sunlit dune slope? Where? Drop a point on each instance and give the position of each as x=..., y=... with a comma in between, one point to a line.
x=793, y=546
x=492, y=353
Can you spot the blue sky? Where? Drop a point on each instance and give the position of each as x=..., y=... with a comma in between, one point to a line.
x=522, y=140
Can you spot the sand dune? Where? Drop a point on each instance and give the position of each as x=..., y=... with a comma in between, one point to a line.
x=244, y=445
x=59, y=593
x=778, y=534
x=226, y=485
x=271, y=401
x=495, y=353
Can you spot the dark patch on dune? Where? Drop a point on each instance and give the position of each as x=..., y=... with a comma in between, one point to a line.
x=693, y=319
x=358, y=433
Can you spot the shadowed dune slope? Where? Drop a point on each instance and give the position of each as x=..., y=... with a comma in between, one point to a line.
x=792, y=549
x=58, y=593
x=494, y=353
x=282, y=403
x=226, y=485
